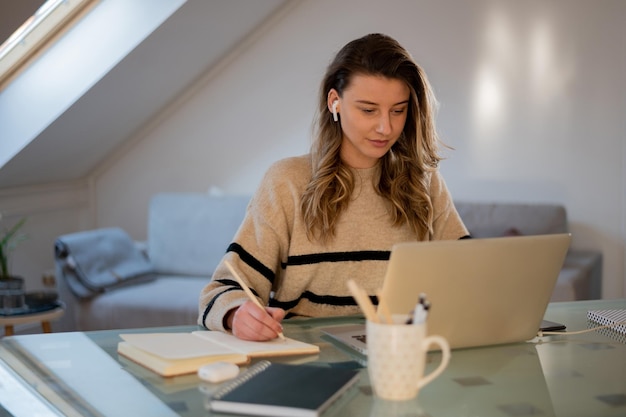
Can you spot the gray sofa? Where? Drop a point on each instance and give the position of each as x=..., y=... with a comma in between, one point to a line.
x=188, y=234
x=581, y=275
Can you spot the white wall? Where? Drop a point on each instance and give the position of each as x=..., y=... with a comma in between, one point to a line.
x=532, y=99
x=50, y=211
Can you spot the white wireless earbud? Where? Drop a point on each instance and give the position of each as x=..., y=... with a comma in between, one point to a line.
x=334, y=107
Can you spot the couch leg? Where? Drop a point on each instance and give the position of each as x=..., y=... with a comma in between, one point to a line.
x=45, y=326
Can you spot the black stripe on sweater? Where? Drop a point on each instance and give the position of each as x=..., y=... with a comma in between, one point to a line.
x=235, y=284
x=319, y=299
x=212, y=302
x=232, y=286
x=356, y=256
x=251, y=261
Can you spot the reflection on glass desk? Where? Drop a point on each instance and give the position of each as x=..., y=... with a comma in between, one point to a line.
x=80, y=374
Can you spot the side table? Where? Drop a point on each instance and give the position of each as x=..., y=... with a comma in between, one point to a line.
x=45, y=317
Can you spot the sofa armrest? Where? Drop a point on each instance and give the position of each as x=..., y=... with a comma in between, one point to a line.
x=589, y=264
x=68, y=322
x=142, y=246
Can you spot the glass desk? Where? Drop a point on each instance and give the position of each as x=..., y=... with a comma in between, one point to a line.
x=80, y=374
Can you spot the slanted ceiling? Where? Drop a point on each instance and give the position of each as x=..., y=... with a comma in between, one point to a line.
x=188, y=44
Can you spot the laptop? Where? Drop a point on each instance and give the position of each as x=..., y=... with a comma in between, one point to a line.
x=482, y=291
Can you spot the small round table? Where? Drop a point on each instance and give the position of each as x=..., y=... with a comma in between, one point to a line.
x=44, y=317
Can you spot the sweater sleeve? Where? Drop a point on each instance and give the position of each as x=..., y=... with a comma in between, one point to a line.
x=447, y=223
x=259, y=248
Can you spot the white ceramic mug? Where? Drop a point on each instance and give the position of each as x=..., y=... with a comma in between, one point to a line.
x=396, y=358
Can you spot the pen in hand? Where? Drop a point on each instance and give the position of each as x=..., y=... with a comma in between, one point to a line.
x=246, y=289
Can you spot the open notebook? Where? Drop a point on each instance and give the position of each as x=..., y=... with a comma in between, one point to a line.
x=483, y=291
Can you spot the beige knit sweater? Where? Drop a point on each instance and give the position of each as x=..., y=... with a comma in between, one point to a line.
x=273, y=254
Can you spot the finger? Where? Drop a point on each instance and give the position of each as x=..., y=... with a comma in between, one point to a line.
x=252, y=323
x=270, y=317
x=278, y=314
x=252, y=329
x=275, y=317
x=267, y=324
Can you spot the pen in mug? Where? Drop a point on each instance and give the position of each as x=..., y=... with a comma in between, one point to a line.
x=419, y=314
x=246, y=289
x=422, y=298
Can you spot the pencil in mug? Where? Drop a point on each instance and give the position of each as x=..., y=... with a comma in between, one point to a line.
x=246, y=289
x=363, y=300
x=382, y=308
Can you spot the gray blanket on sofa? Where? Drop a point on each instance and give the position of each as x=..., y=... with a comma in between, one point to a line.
x=98, y=260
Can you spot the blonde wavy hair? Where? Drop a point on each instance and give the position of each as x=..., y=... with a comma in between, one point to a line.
x=404, y=170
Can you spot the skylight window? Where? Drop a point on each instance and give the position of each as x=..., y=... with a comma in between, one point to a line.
x=38, y=30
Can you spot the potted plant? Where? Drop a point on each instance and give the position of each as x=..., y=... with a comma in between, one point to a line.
x=11, y=287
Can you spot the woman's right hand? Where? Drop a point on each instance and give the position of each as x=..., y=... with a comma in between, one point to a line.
x=249, y=322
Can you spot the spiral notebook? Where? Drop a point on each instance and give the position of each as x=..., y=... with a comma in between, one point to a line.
x=283, y=390
x=615, y=318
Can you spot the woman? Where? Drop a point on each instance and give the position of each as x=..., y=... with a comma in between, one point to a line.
x=318, y=220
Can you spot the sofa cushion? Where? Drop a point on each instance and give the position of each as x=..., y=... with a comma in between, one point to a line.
x=498, y=219
x=166, y=301
x=188, y=233
x=567, y=285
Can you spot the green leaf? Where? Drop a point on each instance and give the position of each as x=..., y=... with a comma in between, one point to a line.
x=10, y=239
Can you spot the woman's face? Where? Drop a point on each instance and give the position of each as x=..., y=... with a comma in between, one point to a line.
x=372, y=112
